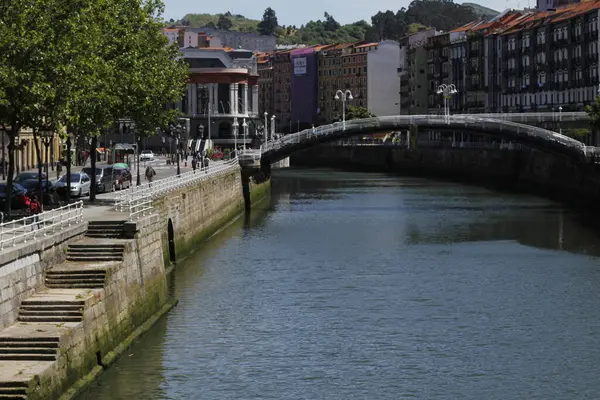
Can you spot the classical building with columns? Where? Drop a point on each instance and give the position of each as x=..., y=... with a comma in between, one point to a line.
x=222, y=96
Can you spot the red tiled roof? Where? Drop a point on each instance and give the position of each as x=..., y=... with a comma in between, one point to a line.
x=367, y=45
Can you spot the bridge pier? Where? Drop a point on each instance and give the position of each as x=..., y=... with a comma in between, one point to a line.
x=256, y=186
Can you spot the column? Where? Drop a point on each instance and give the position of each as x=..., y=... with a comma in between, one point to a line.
x=232, y=97
x=211, y=97
x=189, y=110
x=245, y=100
x=194, y=101
x=255, y=100
x=234, y=100
x=216, y=106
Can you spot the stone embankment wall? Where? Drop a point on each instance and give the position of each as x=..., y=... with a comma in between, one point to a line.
x=135, y=290
x=22, y=268
x=546, y=174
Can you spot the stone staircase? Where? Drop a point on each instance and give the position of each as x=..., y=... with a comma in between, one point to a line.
x=94, y=252
x=13, y=390
x=106, y=229
x=51, y=311
x=25, y=349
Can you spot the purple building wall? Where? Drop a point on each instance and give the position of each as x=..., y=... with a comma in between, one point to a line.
x=305, y=81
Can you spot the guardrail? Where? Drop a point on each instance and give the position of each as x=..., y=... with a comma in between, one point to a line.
x=34, y=226
x=138, y=200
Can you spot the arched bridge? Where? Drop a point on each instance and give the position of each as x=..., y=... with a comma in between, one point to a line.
x=539, y=138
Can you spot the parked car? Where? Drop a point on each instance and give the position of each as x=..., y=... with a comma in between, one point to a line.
x=19, y=198
x=104, y=178
x=122, y=178
x=50, y=196
x=26, y=176
x=146, y=155
x=80, y=184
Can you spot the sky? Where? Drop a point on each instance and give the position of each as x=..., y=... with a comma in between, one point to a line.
x=300, y=12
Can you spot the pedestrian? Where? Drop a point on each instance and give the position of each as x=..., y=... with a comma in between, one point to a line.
x=150, y=173
x=35, y=208
x=194, y=164
x=58, y=169
x=206, y=164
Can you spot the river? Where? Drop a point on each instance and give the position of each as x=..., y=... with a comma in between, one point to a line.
x=368, y=286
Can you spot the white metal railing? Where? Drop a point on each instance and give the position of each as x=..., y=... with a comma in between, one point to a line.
x=43, y=224
x=138, y=200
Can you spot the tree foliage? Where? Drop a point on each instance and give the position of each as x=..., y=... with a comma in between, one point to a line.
x=593, y=111
x=83, y=64
x=356, y=112
x=440, y=14
x=224, y=23
x=269, y=22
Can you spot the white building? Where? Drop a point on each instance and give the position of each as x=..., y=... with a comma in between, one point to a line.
x=383, y=82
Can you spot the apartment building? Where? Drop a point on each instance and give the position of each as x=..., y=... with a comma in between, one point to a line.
x=265, y=84
x=383, y=82
x=416, y=86
x=330, y=80
x=282, y=88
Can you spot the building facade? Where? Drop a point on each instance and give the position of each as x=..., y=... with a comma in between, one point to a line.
x=265, y=85
x=222, y=95
x=196, y=37
x=282, y=90
x=305, y=90
x=330, y=80
x=383, y=82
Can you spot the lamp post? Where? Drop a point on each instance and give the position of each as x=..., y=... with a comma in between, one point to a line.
x=4, y=163
x=138, y=142
x=209, y=114
x=560, y=119
x=182, y=127
x=344, y=97
x=235, y=126
x=447, y=91
x=47, y=134
x=245, y=126
x=272, y=127
x=265, y=129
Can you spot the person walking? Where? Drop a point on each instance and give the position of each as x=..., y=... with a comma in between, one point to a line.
x=35, y=208
x=206, y=161
x=150, y=173
x=194, y=164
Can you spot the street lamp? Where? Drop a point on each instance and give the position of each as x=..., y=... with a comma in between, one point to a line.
x=272, y=127
x=137, y=150
x=235, y=126
x=447, y=91
x=182, y=123
x=245, y=126
x=4, y=163
x=265, y=129
x=344, y=97
x=47, y=134
x=560, y=119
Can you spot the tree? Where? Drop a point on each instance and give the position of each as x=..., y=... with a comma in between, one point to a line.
x=224, y=23
x=355, y=112
x=593, y=111
x=211, y=24
x=331, y=25
x=269, y=22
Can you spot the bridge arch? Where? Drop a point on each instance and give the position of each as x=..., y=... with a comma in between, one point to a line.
x=538, y=138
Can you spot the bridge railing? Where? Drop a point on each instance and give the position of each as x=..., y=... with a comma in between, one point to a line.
x=32, y=227
x=485, y=121
x=138, y=200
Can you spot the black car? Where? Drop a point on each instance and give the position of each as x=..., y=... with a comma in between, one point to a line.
x=19, y=198
x=49, y=191
x=27, y=176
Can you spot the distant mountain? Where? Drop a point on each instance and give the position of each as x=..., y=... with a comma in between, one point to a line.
x=482, y=11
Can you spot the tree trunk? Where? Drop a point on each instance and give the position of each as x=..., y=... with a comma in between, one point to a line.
x=14, y=131
x=69, y=161
x=38, y=155
x=93, y=186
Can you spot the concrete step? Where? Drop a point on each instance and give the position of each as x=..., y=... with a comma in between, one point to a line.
x=31, y=318
x=75, y=277
x=81, y=285
x=27, y=312
x=23, y=350
x=75, y=282
x=96, y=254
x=80, y=303
x=12, y=396
x=9, y=339
x=28, y=357
x=75, y=307
x=108, y=222
x=105, y=235
x=40, y=345
x=14, y=384
x=94, y=258
x=76, y=272
x=97, y=246
x=107, y=249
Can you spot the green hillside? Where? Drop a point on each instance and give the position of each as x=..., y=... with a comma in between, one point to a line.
x=442, y=14
x=482, y=11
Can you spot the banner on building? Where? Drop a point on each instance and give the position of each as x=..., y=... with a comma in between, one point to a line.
x=300, y=66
